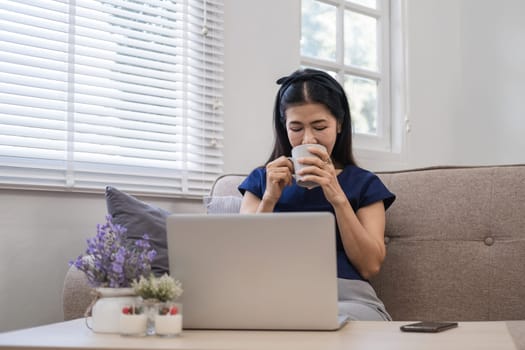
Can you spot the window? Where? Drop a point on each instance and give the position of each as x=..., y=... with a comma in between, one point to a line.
x=354, y=41
x=120, y=92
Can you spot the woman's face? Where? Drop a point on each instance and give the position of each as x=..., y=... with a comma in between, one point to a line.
x=311, y=123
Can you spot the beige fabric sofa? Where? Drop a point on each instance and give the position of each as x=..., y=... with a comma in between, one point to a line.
x=455, y=241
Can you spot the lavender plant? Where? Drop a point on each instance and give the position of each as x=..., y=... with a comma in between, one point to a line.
x=113, y=261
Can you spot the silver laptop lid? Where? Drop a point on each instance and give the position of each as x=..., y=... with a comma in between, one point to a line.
x=260, y=271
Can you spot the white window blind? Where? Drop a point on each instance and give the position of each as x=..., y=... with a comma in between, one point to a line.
x=111, y=92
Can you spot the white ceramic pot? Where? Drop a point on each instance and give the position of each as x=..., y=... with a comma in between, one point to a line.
x=106, y=311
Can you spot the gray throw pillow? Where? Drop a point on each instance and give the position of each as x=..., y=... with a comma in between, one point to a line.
x=222, y=204
x=139, y=218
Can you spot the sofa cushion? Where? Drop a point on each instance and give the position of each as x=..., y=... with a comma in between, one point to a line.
x=222, y=204
x=455, y=240
x=139, y=218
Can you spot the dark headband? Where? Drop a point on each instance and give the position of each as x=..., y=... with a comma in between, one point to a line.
x=317, y=77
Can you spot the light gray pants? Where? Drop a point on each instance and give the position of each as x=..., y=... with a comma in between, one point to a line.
x=358, y=300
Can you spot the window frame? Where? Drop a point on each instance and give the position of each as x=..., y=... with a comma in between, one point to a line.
x=388, y=144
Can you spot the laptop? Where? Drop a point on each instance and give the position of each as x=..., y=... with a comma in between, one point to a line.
x=274, y=271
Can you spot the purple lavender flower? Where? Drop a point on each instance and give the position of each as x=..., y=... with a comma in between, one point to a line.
x=151, y=255
x=110, y=260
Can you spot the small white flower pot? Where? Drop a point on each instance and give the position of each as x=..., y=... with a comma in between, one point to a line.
x=168, y=325
x=168, y=319
x=133, y=325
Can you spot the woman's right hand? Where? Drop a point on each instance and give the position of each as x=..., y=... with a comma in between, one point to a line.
x=278, y=175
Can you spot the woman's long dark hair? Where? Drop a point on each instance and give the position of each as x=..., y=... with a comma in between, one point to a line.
x=312, y=86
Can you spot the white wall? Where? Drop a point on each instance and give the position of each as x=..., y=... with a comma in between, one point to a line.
x=465, y=104
x=261, y=45
x=434, y=79
x=40, y=232
x=466, y=82
x=491, y=117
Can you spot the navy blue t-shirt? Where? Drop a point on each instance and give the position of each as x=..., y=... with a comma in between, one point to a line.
x=360, y=186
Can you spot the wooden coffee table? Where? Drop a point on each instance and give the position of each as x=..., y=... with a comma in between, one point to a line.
x=354, y=335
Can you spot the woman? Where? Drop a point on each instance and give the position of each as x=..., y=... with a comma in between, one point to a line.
x=312, y=108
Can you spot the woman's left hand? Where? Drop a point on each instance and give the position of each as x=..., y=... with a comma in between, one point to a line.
x=321, y=170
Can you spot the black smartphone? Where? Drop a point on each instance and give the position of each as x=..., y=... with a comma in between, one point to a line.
x=428, y=326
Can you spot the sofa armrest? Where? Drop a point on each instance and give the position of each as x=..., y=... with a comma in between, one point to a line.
x=76, y=294
x=226, y=185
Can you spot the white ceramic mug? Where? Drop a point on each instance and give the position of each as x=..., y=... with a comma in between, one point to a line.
x=300, y=152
